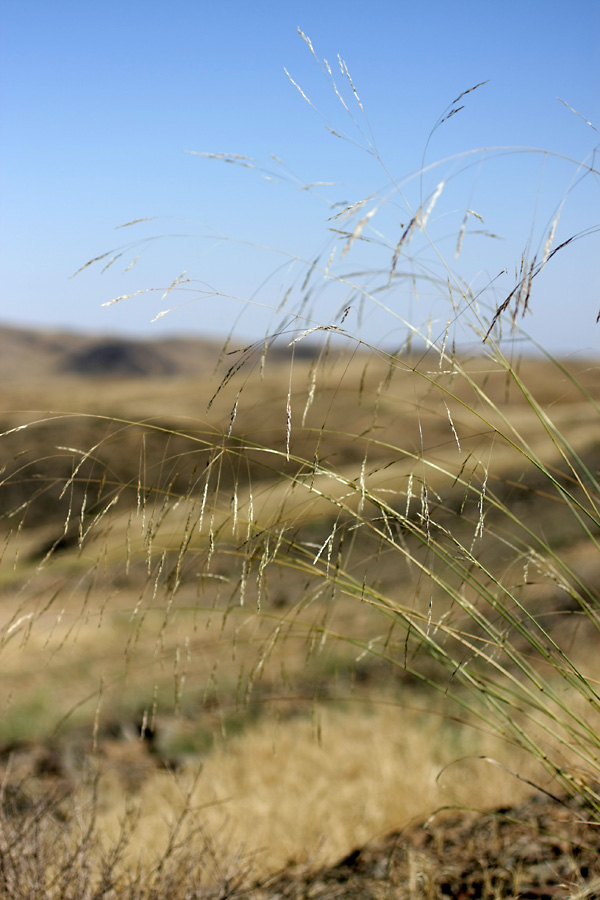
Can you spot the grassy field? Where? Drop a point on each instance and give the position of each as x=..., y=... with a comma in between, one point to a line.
x=209, y=615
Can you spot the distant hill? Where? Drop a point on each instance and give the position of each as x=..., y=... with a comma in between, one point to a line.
x=37, y=354
x=29, y=354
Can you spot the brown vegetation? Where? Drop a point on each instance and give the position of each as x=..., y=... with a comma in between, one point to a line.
x=142, y=697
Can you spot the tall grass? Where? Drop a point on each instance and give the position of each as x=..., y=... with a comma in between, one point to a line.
x=417, y=505
x=484, y=583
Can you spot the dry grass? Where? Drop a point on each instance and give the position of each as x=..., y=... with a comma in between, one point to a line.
x=308, y=790
x=321, y=750
x=255, y=622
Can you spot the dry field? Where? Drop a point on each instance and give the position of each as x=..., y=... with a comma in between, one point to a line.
x=219, y=624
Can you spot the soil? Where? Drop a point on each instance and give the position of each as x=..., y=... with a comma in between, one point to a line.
x=545, y=849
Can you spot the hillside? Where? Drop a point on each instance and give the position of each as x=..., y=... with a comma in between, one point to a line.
x=225, y=592
x=28, y=354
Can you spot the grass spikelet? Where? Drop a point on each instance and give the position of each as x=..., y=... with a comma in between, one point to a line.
x=452, y=427
x=339, y=96
x=463, y=228
x=358, y=231
x=406, y=234
x=233, y=415
x=587, y=122
x=308, y=42
x=236, y=159
x=288, y=424
x=91, y=262
x=310, y=395
x=123, y=296
x=298, y=88
x=549, y=240
x=436, y=194
x=354, y=91
x=349, y=210
x=175, y=283
x=469, y=91
x=131, y=264
x=111, y=261
x=329, y=263
x=135, y=222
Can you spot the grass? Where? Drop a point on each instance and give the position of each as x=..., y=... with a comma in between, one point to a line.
x=249, y=636
x=318, y=681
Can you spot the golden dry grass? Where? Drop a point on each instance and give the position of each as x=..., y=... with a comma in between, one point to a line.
x=308, y=790
x=305, y=745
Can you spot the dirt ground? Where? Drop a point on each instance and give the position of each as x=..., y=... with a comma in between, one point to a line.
x=545, y=849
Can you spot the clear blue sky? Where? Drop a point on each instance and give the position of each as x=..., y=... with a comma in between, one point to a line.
x=101, y=101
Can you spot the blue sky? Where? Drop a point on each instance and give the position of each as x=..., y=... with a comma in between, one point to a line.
x=101, y=103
